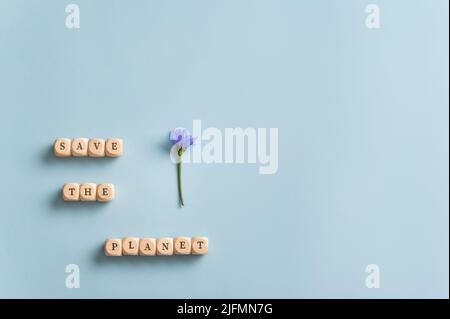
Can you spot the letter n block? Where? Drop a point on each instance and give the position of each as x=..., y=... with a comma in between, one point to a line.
x=164, y=246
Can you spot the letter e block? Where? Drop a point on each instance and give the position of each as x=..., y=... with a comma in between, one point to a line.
x=105, y=192
x=182, y=246
x=114, y=147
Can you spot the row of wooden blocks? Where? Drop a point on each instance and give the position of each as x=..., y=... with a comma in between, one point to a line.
x=166, y=246
x=88, y=192
x=82, y=147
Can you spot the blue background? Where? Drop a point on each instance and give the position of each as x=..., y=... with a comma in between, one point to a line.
x=363, y=146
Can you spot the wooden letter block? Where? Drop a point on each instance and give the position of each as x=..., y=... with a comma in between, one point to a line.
x=113, y=247
x=147, y=247
x=105, y=192
x=199, y=245
x=61, y=147
x=71, y=192
x=164, y=246
x=96, y=147
x=182, y=246
x=88, y=192
x=114, y=147
x=130, y=246
x=80, y=147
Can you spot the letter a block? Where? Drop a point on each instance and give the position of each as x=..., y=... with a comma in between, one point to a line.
x=147, y=247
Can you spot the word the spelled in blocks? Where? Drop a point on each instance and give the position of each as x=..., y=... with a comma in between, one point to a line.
x=166, y=246
x=88, y=192
x=82, y=147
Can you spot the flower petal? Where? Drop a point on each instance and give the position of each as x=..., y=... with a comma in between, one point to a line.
x=178, y=134
x=182, y=137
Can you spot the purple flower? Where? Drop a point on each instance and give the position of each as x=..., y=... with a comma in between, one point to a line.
x=182, y=139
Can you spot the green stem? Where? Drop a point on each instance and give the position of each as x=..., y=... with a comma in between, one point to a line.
x=180, y=192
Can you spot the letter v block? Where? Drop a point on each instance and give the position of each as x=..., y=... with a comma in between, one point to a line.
x=96, y=147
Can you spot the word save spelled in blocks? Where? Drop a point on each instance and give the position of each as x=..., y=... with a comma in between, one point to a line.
x=83, y=147
x=88, y=192
x=166, y=246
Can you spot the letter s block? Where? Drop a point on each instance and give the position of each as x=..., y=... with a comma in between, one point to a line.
x=62, y=147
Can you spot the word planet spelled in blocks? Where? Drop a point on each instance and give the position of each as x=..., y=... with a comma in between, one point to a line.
x=83, y=147
x=166, y=246
x=88, y=192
